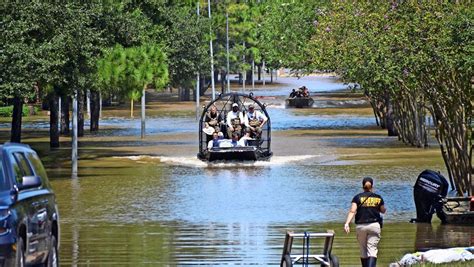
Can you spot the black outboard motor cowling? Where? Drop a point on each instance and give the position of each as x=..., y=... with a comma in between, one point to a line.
x=429, y=189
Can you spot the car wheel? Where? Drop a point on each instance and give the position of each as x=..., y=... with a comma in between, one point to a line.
x=287, y=261
x=53, y=259
x=20, y=253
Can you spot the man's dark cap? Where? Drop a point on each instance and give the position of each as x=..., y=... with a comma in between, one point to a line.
x=367, y=179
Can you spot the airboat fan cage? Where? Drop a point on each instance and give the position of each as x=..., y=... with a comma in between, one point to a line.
x=223, y=103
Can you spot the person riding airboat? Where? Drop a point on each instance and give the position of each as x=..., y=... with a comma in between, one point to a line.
x=235, y=126
x=299, y=98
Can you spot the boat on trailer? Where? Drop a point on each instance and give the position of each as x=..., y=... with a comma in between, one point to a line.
x=256, y=149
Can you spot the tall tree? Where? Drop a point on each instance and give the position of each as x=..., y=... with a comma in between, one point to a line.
x=409, y=57
x=133, y=70
x=18, y=60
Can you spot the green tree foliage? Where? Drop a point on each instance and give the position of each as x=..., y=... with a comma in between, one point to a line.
x=185, y=44
x=284, y=29
x=18, y=57
x=410, y=58
x=176, y=26
x=133, y=69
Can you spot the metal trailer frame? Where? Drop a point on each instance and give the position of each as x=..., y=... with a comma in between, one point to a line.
x=325, y=258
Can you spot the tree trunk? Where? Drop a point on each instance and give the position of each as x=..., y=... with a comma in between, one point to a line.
x=216, y=76
x=95, y=110
x=16, y=120
x=202, y=85
x=250, y=78
x=259, y=71
x=81, y=99
x=65, y=103
x=223, y=79
x=452, y=110
x=184, y=94
x=53, y=120
x=390, y=124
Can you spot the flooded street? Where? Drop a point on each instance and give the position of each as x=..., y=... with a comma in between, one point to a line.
x=154, y=203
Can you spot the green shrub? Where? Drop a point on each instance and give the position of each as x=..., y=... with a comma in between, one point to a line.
x=8, y=111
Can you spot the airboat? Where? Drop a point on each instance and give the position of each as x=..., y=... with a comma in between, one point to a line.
x=256, y=148
x=299, y=102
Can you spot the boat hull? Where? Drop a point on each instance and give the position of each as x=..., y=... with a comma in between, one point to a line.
x=234, y=154
x=299, y=102
x=457, y=210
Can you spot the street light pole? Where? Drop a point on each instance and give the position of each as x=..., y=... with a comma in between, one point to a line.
x=227, y=47
x=212, y=53
x=74, y=156
x=198, y=94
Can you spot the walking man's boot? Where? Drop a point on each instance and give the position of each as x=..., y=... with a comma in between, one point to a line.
x=372, y=262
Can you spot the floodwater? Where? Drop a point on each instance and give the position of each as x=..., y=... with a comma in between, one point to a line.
x=156, y=204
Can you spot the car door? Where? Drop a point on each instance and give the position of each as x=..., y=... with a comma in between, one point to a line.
x=47, y=201
x=34, y=207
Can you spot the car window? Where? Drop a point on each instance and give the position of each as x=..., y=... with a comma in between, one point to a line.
x=16, y=169
x=3, y=181
x=37, y=165
x=22, y=167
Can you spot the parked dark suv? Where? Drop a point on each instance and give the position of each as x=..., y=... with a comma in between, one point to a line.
x=29, y=219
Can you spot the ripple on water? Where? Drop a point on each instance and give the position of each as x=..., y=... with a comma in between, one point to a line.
x=195, y=162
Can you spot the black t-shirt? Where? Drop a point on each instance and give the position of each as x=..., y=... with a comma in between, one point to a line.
x=369, y=211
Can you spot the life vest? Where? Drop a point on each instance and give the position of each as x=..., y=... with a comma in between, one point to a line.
x=253, y=121
x=213, y=120
x=235, y=122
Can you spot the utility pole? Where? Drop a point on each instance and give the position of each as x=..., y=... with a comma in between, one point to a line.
x=74, y=156
x=88, y=103
x=100, y=104
x=212, y=52
x=253, y=75
x=244, y=74
x=227, y=47
x=198, y=94
x=143, y=113
x=59, y=112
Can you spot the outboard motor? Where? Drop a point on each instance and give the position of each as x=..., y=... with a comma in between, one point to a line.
x=429, y=189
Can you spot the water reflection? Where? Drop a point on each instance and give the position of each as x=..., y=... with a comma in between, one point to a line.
x=430, y=236
x=222, y=215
